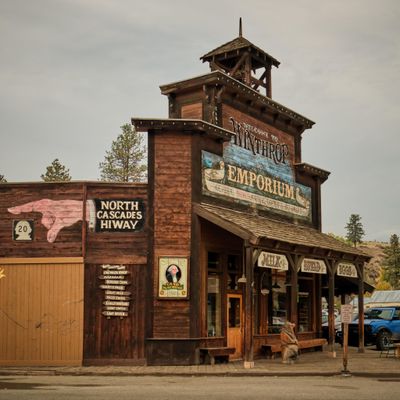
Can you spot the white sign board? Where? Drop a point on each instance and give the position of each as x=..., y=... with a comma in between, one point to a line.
x=347, y=269
x=273, y=260
x=313, y=266
x=346, y=313
x=117, y=298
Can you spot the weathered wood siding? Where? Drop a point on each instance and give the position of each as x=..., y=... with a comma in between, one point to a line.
x=114, y=340
x=72, y=240
x=172, y=193
x=104, y=339
x=68, y=242
x=41, y=312
x=192, y=111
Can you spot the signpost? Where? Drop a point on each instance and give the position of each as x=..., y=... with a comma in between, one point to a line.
x=116, y=298
x=346, y=312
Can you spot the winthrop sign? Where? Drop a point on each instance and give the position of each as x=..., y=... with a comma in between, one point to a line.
x=251, y=138
x=118, y=215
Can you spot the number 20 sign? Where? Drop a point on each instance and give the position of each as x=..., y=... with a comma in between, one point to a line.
x=23, y=230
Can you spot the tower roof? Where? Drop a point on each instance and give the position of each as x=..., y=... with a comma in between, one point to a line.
x=234, y=48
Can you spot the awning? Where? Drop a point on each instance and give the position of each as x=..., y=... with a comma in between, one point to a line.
x=255, y=228
x=347, y=286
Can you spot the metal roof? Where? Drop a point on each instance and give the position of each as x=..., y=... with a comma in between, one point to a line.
x=385, y=296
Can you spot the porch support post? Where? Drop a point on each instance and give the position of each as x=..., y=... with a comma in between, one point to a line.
x=293, y=297
x=248, y=309
x=331, y=306
x=360, y=271
x=294, y=262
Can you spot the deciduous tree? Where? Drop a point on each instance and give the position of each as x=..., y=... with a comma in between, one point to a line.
x=2, y=179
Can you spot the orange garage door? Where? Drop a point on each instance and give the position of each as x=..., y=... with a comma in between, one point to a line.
x=41, y=311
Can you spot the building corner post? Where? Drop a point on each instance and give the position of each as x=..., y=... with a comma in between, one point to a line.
x=248, y=310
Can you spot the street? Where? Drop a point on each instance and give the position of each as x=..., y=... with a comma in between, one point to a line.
x=178, y=387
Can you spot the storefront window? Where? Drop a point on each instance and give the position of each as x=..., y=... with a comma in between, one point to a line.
x=278, y=299
x=304, y=304
x=213, y=296
x=234, y=310
x=233, y=272
x=304, y=312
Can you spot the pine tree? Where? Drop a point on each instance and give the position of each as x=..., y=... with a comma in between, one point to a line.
x=56, y=172
x=2, y=179
x=124, y=162
x=355, y=230
x=391, y=263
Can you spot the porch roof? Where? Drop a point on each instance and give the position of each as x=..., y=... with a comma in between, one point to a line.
x=254, y=228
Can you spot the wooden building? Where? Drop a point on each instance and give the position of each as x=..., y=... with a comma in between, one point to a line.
x=218, y=250
x=56, y=308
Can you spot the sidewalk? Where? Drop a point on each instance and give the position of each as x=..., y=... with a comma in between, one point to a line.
x=368, y=364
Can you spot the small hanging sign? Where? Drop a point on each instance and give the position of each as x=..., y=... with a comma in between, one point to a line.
x=120, y=314
x=273, y=260
x=347, y=269
x=313, y=266
x=123, y=298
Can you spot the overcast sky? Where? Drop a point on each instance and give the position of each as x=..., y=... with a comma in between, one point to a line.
x=73, y=71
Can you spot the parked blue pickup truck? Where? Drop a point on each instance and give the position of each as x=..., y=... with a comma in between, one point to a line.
x=381, y=326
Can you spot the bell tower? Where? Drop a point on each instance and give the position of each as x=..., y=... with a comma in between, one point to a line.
x=242, y=60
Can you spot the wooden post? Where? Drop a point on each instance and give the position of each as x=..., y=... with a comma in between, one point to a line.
x=345, y=347
x=294, y=294
x=331, y=309
x=248, y=312
x=318, y=305
x=268, y=81
x=84, y=223
x=346, y=312
x=247, y=70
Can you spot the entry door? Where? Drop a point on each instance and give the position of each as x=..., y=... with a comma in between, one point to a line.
x=235, y=324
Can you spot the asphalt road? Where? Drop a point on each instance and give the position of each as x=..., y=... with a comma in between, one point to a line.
x=185, y=388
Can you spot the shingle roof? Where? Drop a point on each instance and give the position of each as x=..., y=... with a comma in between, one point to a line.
x=237, y=44
x=250, y=226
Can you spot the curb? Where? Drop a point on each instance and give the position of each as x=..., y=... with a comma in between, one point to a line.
x=276, y=374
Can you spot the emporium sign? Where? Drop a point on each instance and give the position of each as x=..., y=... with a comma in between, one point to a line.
x=249, y=179
x=313, y=266
x=273, y=260
x=347, y=269
x=119, y=215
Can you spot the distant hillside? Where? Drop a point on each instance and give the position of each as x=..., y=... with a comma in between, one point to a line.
x=374, y=267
